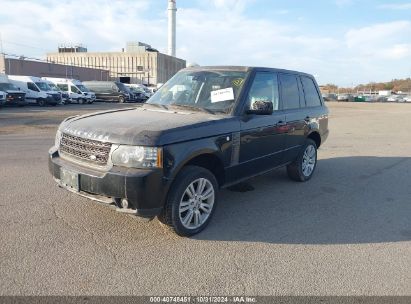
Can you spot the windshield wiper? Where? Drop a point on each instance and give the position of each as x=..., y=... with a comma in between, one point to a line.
x=194, y=108
x=157, y=105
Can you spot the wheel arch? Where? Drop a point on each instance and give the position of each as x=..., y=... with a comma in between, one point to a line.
x=316, y=137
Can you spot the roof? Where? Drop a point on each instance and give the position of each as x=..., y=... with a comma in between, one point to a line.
x=242, y=69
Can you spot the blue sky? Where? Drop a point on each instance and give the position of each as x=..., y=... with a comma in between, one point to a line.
x=345, y=42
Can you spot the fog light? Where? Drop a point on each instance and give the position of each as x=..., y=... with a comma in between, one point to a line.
x=124, y=203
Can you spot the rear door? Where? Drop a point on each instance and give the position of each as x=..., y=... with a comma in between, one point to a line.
x=293, y=104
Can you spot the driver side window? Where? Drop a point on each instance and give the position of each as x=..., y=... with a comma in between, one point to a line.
x=264, y=88
x=32, y=86
x=74, y=89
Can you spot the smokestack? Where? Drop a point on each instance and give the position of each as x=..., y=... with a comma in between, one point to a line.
x=172, y=27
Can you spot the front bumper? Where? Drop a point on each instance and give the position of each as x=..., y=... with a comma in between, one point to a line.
x=145, y=190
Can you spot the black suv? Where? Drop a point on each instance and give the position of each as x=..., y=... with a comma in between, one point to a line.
x=206, y=128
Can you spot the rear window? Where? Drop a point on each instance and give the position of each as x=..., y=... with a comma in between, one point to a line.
x=312, y=99
x=290, y=94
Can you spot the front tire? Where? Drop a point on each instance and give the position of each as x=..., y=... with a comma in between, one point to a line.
x=121, y=99
x=41, y=102
x=191, y=201
x=303, y=167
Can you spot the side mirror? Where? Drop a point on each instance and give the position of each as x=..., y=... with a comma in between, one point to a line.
x=261, y=107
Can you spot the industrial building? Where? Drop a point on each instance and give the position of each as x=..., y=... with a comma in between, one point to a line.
x=137, y=63
x=29, y=67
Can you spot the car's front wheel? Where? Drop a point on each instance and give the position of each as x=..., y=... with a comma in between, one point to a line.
x=191, y=201
x=303, y=167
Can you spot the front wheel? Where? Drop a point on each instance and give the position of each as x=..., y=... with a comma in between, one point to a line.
x=303, y=167
x=41, y=102
x=121, y=99
x=191, y=201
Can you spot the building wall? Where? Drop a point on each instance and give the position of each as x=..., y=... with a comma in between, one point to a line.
x=12, y=66
x=141, y=67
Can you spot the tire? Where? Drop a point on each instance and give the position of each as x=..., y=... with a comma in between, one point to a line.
x=197, y=211
x=81, y=101
x=41, y=102
x=121, y=99
x=90, y=101
x=303, y=167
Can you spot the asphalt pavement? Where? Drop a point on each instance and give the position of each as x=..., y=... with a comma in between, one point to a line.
x=345, y=232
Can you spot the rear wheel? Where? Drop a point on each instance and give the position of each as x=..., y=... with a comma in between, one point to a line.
x=81, y=101
x=121, y=99
x=191, y=201
x=303, y=167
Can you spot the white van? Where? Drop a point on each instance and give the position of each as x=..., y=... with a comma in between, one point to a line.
x=64, y=95
x=75, y=89
x=36, y=89
x=9, y=93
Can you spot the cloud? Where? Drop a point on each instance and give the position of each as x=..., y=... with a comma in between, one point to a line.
x=384, y=41
x=220, y=32
x=395, y=6
x=342, y=3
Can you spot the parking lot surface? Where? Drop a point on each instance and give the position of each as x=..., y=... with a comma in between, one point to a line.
x=345, y=232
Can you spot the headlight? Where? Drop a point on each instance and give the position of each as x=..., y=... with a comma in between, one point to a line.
x=138, y=157
x=57, y=139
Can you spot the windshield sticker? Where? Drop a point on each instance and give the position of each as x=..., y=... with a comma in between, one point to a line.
x=222, y=95
x=238, y=82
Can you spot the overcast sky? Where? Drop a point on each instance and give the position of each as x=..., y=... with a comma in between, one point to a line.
x=339, y=41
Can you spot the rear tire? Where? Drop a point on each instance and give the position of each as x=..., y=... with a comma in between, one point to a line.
x=81, y=101
x=41, y=102
x=303, y=167
x=121, y=99
x=191, y=201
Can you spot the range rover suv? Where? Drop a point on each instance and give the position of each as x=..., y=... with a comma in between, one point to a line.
x=206, y=128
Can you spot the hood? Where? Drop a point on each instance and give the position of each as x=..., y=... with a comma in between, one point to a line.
x=14, y=92
x=148, y=126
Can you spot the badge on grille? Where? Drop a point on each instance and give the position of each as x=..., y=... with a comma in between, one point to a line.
x=93, y=157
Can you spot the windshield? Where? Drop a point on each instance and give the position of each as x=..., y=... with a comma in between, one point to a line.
x=8, y=86
x=207, y=89
x=122, y=87
x=138, y=90
x=54, y=87
x=82, y=88
x=43, y=86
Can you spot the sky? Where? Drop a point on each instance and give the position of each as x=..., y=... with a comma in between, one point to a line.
x=344, y=42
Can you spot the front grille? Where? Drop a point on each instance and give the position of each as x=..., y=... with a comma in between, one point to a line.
x=86, y=150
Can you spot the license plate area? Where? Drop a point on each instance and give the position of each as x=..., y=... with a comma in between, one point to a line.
x=69, y=179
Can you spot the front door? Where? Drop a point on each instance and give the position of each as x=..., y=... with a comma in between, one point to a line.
x=262, y=137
